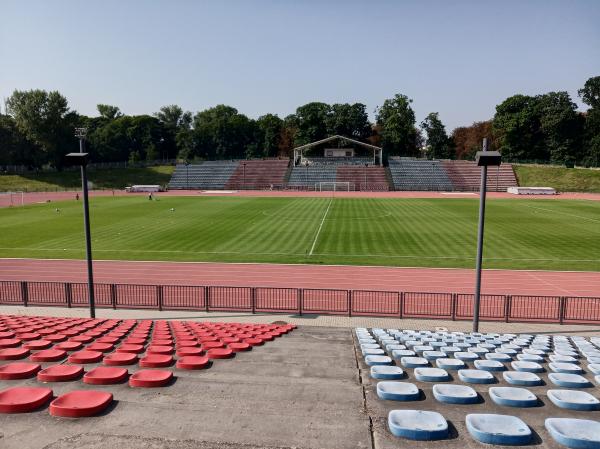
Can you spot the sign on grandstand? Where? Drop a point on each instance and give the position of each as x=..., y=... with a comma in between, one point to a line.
x=11, y=199
x=331, y=186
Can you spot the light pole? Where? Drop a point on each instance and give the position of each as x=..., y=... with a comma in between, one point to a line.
x=187, y=178
x=366, y=168
x=244, y=165
x=484, y=159
x=81, y=159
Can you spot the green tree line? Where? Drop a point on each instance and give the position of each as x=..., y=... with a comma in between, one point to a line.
x=36, y=130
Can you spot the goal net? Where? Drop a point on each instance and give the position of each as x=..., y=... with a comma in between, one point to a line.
x=11, y=199
x=333, y=186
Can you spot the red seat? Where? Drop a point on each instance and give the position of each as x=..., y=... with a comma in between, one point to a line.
x=134, y=349
x=219, y=353
x=150, y=378
x=212, y=344
x=104, y=375
x=160, y=349
x=100, y=347
x=23, y=399
x=60, y=373
x=55, y=337
x=18, y=370
x=6, y=334
x=13, y=353
x=134, y=341
x=156, y=361
x=254, y=341
x=81, y=338
x=187, y=343
x=109, y=340
x=37, y=344
x=161, y=342
x=120, y=358
x=10, y=343
x=80, y=403
x=187, y=351
x=238, y=347
x=192, y=362
x=48, y=355
x=26, y=336
x=85, y=357
x=69, y=346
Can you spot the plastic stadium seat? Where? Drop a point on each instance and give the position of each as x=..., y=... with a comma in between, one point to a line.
x=513, y=396
x=159, y=349
x=10, y=343
x=450, y=364
x=397, y=391
x=386, y=372
x=455, y=394
x=18, y=370
x=573, y=400
x=529, y=367
x=156, y=361
x=13, y=353
x=239, y=346
x=366, y=351
x=220, y=353
x=48, y=355
x=466, y=356
x=476, y=376
x=569, y=380
x=85, y=357
x=23, y=399
x=25, y=336
x=69, y=346
x=566, y=368
x=150, y=378
x=80, y=403
x=489, y=365
x=372, y=360
x=254, y=341
x=431, y=375
x=499, y=357
x=530, y=358
x=574, y=433
x=193, y=362
x=417, y=425
x=399, y=353
x=522, y=378
x=131, y=348
x=104, y=375
x=414, y=362
x=60, y=373
x=182, y=352
x=498, y=429
x=36, y=345
x=594, y=368
x=562, y=359
x=120, y=358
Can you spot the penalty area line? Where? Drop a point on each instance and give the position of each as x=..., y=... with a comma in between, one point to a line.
x=312, y=248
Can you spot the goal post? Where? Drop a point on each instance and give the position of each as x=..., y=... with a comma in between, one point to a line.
x=333, y=186
x=12, y=199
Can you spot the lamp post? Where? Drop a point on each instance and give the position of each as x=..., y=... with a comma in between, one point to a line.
x=366, y=168
x=187, y=178
x=81, y=159
x=244, y=165
x=484, y=159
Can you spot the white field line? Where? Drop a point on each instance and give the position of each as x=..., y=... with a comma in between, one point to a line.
x=312, y=248
x=563, y=213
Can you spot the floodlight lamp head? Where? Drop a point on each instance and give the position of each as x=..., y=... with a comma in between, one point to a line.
x=80, y=133
x=488, y=158
x=77, y=158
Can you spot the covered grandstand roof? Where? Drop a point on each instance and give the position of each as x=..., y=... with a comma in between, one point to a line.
x=336, y=137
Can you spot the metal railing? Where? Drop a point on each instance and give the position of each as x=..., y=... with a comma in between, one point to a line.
x=432, y=305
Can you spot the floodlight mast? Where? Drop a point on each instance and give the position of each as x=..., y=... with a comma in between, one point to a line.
x=81, y=133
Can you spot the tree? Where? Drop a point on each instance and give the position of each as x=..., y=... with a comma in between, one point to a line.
x=108, y=112
x=177, y=126
x=270, y=135
x=311, y=122
x=397, y=121
x=590, y=95
x=349, y=120
x=437, y=142
x=15, y=149
x=467, y=140
x=44, y=119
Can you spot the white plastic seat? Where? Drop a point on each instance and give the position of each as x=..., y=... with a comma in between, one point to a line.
x=417, y=425
x=513, y=396
x=573, y=400
x=498, y=429
x=574, y=433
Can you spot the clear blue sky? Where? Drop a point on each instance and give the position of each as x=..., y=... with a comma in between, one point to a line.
x=459, y=58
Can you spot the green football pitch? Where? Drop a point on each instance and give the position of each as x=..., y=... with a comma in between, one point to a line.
x=520, y=234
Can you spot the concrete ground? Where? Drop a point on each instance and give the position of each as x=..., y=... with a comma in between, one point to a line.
x=307, y=389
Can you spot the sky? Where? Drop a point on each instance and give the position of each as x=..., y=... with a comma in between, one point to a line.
x=458, y=58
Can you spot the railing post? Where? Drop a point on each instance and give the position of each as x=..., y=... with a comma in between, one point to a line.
x=300, y=301
x=159, y=297
x=507, y=307
x=207, y=298
x=253, y=299
x=562, y=303
x=24, y=293
x=350, y=293
x=68, y=294
x=401, y=304
x=113, y=296
x=454, y=300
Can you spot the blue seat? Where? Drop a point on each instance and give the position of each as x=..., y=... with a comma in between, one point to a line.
x=450, y=364
x=397, y=391
x=431, y=375
x=594, y=368
x=573, y=400
x=498, y=429
x=522, y=378
x=364, y=346
x=528, y=367
x=502, y=358
x=466, y=356
x=558, y=358
x=569, y=380
x=386, y=372
x=433, y=355
x=489, y=365
x=530, y=358
x=399, y=353
x=378, y=360
x=414, y=362
x=417, y=425
x=567, y=368
x=574, y=433
x=513, y=397
x=476, y=376
x=377, y=351
x=455, y=394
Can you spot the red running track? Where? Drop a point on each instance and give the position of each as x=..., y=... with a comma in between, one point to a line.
x=513, y=282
